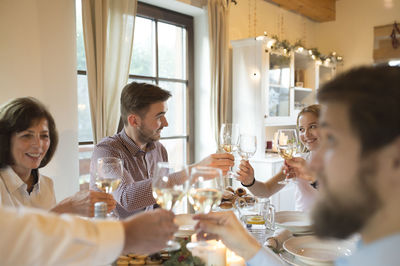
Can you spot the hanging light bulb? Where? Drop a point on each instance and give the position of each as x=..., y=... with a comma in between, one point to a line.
x=300, y=49
x=270, y=43
x=310, y=52
x=313, y=57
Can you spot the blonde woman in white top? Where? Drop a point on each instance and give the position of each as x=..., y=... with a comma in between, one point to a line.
x=305, y=193
x=28, y=140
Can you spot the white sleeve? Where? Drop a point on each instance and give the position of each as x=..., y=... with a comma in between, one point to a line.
x=265, y=257
x=35, y=237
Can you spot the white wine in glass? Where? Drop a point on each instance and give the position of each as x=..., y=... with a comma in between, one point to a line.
x=229, y=140
x=205, y=188
x=167, y=192
x=287, y=144
x=247, y=146
x=109, y=173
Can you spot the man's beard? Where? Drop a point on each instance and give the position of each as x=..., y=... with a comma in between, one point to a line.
x=334, y=217
x=145, y=136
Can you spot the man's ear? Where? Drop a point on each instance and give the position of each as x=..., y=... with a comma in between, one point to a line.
x=134, y=120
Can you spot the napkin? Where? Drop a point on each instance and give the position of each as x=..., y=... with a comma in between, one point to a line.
x=276, y=241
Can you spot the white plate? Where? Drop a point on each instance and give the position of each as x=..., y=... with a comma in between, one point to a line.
x=292, y=260
x=296, y=222
x=314, y=251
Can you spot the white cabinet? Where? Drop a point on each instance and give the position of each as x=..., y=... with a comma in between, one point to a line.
x=266, y=168
x=270, y=88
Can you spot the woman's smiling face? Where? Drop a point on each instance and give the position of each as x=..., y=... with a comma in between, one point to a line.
x=29, y=147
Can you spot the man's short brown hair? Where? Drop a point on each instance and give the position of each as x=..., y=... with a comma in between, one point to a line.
x=372, y=95
x=137, y=98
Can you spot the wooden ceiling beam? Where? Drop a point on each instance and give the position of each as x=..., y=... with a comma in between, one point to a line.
x=317, y=10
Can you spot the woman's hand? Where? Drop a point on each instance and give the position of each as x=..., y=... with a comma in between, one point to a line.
x=226, y=227
x=82, y=203
x=297, y=167
x=245, y=173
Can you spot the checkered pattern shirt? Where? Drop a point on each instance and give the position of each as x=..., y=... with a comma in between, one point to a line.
x=134, y=193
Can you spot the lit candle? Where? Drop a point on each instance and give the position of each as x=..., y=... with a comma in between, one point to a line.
x=212, y=253
x=234, y=260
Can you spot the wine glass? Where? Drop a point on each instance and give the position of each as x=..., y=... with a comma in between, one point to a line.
x=205, y=192
x=247, y=146
x=229, y=139
x=287, y=144
x=205, y=188
x=109, y=173
x=167, y=192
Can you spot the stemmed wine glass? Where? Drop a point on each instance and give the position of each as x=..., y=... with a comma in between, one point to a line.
x=247, y=146
x=109, y=173
x=205, y=188
x=287, y=144
x=167, y=192
x=205, y=192
x=229, y=139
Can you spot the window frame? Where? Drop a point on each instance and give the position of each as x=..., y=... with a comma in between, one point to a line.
x=167, y=16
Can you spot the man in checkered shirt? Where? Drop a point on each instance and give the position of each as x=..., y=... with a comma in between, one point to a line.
x=143, y=109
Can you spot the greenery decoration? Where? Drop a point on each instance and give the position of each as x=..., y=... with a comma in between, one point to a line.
x=287, y=48
x=183, y=257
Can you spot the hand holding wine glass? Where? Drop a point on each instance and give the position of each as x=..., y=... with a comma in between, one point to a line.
x=287, y=144
x=166, y=192
x=109, y=173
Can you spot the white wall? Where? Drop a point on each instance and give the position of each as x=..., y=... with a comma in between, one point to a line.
x=38, y=58
x=269, y=17
x=352, y=33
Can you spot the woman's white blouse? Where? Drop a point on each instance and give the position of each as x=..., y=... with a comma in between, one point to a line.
x=13, y=191
x=305, y=194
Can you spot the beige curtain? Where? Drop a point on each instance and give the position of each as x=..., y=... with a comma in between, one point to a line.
x=218, y=16
x=108, y=27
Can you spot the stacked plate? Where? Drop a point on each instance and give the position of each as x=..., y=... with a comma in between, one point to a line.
x=310, y=250
x=297, y=222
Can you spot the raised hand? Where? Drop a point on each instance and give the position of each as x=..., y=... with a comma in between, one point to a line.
x=148, y=232
x=245, y=173
x=223, y=161
x=82, y=203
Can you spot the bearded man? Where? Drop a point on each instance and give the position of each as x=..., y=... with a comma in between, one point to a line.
x=143, y=110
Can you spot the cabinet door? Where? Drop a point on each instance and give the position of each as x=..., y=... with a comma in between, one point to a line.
x=279, y=95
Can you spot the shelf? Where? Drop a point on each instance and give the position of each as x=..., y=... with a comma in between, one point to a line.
x=302, y=89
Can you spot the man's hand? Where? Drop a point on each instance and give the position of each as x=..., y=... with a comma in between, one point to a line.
x=148, y=232
x=82, y=203
x=226, y=227
x=223, y=161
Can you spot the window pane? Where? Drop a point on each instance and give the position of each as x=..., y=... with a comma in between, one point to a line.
x=176, y=150
x=80, y=47
x=143, y=55
x=176, y=114
x=171, y=51
x=85, y=122
x=151, y=81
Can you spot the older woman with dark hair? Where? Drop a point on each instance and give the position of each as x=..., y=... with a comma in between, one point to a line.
x=28, y=140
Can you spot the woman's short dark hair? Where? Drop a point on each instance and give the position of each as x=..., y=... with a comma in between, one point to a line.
x=372, y=96
x=19, y=115
x=137, y=98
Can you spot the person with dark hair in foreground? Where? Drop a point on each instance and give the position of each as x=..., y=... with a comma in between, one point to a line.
x=358, y=170
x=143, y=110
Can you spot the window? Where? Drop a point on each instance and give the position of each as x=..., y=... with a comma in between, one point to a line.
x=163, y=55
